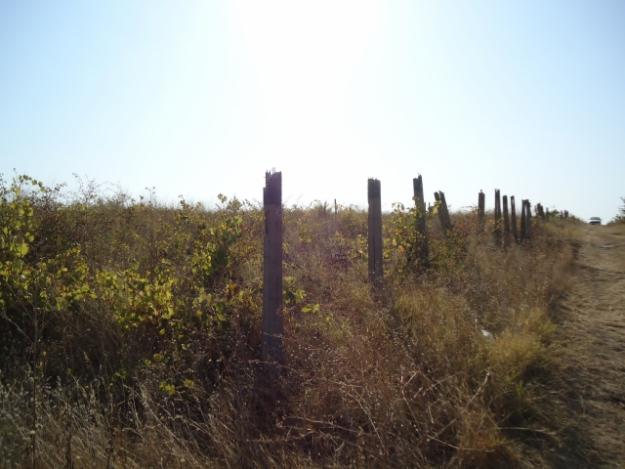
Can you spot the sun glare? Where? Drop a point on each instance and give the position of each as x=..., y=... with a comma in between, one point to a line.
x=305, y=57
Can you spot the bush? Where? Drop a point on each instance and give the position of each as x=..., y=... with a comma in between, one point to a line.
x=620, y=217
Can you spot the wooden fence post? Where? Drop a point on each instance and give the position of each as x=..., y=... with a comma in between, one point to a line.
x=374, y=233
x=273, y=329
x=528, y=222
x=506, y=222
x=497, y=229
x=481, y=206
x=523, y=219
x=422, y=250
x=513, y=225
x=443, y=211
x=540, y=211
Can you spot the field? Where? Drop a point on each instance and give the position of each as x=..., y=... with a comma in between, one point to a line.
x=131, y=337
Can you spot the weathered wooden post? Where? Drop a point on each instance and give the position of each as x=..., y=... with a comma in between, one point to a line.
x=506, y=222
x=497, y=229
x=443, y=211
x=422, y=250
x=513, y=225
x=523, y=219
x=481, y=210
x=528, y=221
x=540, y=211
x=273, y=329
x=374, y=233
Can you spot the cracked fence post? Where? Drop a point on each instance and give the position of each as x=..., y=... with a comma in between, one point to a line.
x=273, y=329
x=422, y=250
x=481, y=206
x=374, y=233
x=513, y=225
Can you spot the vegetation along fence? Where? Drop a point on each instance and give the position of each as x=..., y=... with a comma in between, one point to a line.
x=505, y=231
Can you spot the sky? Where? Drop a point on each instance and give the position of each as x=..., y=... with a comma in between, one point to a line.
x=201, y=97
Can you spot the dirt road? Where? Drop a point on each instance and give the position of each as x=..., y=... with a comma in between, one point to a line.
x=593, y=340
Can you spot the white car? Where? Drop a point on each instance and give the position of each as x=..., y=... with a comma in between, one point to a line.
x=595, y=221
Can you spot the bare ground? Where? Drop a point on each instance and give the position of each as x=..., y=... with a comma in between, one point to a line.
x=592, y=336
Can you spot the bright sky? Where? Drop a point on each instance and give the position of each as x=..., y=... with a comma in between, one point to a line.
x=201, y=97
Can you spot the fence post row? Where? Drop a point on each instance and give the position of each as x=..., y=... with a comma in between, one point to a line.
x=422, y=249
x=272, y=321
x=481, y=206
x=443, y=211
x=374, y=233
x=497, y=230
x=273, y=329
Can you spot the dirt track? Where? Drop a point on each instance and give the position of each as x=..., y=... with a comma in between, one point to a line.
x=593, y=337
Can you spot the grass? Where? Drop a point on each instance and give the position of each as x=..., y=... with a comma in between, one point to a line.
x=133, y=338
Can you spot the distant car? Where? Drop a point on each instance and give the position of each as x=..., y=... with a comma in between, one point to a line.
x=595, y=221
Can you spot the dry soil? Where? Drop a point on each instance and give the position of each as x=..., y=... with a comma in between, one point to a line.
x=592, y=334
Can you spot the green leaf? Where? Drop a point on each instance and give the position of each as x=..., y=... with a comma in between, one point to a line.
x=312, y=308
x=22, y=249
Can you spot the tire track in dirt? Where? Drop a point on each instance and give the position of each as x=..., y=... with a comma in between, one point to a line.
x=593, y=345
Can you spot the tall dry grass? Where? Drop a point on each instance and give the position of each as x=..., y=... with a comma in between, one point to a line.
x=448, y=368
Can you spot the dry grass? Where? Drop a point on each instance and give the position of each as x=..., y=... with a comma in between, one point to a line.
x=447, y=369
